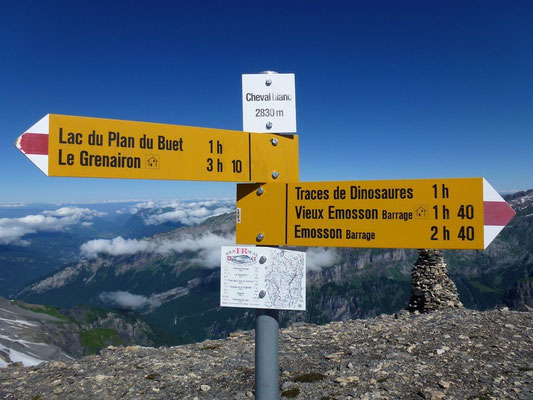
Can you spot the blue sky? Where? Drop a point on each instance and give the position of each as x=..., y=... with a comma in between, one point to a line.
x=385, y=89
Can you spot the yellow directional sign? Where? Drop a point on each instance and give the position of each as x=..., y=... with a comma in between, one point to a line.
x=427, y=213
x=62, y=145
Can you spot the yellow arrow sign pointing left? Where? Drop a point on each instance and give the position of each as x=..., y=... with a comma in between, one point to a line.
x=62, y=145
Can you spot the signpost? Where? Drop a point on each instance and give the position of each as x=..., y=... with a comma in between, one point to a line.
x=62, y=145
x=464, y=213
x=268, y=104
x=420, y=213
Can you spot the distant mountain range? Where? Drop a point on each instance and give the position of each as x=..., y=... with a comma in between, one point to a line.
x=37, y=248
x=39, y=239
x=159, y=284
x=172, y=279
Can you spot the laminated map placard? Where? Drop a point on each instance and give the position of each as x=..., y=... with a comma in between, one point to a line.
x=262, y=277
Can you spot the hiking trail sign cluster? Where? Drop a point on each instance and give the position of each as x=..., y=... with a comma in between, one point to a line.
x=465, y=213
x=276, y=209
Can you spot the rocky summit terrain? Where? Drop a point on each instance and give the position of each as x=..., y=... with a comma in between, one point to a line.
x=453, y=354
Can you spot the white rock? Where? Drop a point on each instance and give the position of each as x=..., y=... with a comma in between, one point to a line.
x=444, y=384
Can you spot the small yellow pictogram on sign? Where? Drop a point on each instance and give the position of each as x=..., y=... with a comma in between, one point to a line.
x=152, y=162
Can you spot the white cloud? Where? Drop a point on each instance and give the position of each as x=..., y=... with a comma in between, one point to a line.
x=128, y=300
x=12, y=205
x=115, y=247
x=95, y=202
x=187, y=212
x=319, y=257
x=75, y=212
x=13, y=229
x=208, y=247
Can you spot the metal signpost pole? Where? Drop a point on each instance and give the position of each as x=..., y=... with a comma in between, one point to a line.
x=266, y=354
x=266, y=346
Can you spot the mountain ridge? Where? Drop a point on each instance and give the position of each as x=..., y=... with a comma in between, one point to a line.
x=180, y=292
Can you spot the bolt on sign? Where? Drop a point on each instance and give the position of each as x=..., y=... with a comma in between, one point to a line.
x=464, y=213
x=62, y=145
x=269, y=103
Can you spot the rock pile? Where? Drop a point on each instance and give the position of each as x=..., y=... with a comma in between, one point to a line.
x=431, y=287
x=459, y=354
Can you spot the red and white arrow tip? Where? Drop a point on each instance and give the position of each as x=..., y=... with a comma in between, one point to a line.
x=496, y=213
x=34, y=144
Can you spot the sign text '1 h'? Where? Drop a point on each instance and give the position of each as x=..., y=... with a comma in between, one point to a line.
x=62, y=145
x=464, y=213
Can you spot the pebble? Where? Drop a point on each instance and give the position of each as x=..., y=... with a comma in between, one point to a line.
x=444, y=384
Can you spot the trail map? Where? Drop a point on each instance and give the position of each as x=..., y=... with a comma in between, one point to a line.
x=262, y=277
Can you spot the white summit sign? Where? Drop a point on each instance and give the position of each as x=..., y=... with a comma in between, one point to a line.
x=268, y=103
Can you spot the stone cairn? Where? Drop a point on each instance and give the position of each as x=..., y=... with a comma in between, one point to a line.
x=431, y=288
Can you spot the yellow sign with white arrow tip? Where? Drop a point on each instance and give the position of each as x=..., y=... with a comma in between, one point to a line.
x=463, y=213
x=62, y=145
